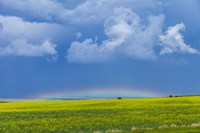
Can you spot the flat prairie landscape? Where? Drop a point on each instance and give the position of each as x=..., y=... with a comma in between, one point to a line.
x=151, y=115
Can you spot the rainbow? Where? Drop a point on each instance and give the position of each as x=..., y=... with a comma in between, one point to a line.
x=101, y=93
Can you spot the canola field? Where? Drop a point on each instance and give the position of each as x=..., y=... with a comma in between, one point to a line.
x=151, y=115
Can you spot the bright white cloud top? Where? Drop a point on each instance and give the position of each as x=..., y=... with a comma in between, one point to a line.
x=21, y=38
x=173, y=41
x=23, y=48
x=126, y=36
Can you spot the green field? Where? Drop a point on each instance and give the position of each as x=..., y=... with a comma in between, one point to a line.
x=177, y=114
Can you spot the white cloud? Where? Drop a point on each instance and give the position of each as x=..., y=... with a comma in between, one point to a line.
x=21, y=38
x=85, y=12
x=42, y=9
x=16, y=28
x=97, y=11
x=173, y=41
x=126, y=37
x=21, y=47
x=87, y=51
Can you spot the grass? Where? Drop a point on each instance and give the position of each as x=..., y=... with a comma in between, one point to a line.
x=154, y=115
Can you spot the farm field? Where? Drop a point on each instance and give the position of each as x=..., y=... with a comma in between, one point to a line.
x=151, y=115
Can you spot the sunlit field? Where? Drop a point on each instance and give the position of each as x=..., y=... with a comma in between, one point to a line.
x=102, y=116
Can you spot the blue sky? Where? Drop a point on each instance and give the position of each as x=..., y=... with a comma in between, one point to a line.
x=54, y=48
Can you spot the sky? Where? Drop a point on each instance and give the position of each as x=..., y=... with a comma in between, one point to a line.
x=88, y=48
